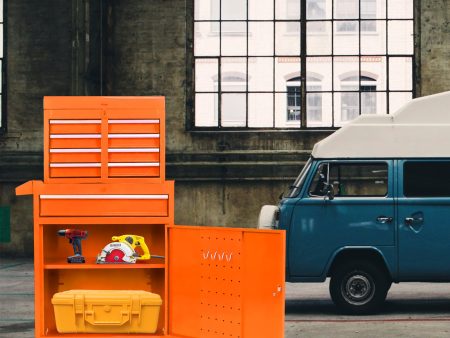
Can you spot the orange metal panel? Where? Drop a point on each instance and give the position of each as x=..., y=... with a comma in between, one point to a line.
x=75, y=128
x=127, y=128
x=75, y=157
x=134, y=142
x=129, y=157
x=236, y=279
x=104, y=207
x=74, y=172
x=134, y=172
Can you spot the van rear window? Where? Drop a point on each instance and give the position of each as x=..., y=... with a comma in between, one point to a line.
x=426, y=179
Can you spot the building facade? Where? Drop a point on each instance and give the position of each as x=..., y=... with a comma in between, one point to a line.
x=249, y=89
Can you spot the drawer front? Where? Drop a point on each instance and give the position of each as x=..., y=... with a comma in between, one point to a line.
x=155, y=205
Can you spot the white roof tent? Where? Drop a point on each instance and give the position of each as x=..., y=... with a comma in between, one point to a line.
x=420, y=129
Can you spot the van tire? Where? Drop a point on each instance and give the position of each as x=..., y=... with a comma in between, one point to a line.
x=359, y=287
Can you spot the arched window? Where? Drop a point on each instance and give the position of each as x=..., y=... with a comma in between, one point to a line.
x=366, y=87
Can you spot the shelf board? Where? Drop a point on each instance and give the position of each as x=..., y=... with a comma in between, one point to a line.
x=156, y=263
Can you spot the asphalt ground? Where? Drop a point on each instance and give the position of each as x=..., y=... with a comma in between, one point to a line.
x=411, y=309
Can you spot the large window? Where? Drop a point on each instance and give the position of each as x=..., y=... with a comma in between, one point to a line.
x=426, y=179
x=300, y=63
x=2, y=117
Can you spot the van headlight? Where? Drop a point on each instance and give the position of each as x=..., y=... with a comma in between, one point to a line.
x=268, y=217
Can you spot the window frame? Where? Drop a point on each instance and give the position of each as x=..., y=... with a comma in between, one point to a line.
x=304, y=126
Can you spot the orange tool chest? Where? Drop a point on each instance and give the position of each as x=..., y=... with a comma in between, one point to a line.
x=213, y=282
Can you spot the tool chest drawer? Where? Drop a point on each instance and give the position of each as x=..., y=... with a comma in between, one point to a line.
x=103, y=200
x=104, y=139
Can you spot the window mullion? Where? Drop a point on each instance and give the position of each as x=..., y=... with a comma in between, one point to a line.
x=303, y=70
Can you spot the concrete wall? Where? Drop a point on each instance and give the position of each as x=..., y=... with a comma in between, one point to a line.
x=141, y=47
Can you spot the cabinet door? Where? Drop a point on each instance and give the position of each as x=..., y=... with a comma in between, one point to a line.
x=226, y=282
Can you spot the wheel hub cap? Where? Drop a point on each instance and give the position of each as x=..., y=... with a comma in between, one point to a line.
x=358, y=290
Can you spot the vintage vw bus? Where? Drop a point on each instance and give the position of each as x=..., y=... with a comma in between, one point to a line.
x=372, y=206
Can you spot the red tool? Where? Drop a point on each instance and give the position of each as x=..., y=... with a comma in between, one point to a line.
x=74, y=236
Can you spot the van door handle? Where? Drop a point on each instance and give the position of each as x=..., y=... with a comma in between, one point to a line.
x=412, y=220
x=384, y=219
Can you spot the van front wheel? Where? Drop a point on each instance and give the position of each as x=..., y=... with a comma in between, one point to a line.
x=358, y=287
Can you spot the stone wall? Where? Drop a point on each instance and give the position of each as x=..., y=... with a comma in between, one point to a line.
x=141, y=47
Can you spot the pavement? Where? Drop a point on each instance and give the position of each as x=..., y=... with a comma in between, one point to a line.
x=411, y=309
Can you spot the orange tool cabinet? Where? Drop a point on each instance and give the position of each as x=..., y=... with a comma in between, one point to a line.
x=214, y=282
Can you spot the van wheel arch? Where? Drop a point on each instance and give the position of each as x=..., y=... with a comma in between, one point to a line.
x=359, y=282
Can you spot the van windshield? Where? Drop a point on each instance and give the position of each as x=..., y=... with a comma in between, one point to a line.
x=298, y=183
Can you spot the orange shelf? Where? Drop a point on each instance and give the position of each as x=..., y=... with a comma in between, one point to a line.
x=156, y=263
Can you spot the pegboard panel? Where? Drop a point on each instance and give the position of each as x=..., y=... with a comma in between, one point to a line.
x=220, y=284
x=224, y=282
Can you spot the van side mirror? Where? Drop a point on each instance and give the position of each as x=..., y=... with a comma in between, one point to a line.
x=329, y=192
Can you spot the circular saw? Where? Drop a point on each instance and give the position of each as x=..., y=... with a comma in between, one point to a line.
x=123, y=250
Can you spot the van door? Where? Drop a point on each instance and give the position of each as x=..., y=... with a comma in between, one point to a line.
x=424, y=219
x=361, y=214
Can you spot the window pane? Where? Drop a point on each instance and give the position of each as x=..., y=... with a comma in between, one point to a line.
x=287, y=9
x=286, y=68
x=206, y=72
x=234, y=10
x=400, y=9
x=260, y=110
x=234, y=110
x=206, y=110
x=346, y=9
x=260, y=74
x=281, y=114
x=373, y=43
x=287, y=38
x=426, y=179
x=207, y=39
x=1, y=40
x=346, y=73
x=374, y=67
x=234, y=38
x=234, y=74
x=369, y=8
x=400, y=73
x=206, y=9
x=260, y=9
x=319, y=109
x=359, y=179
x=346, y=42
x=400, y=37
x=318, y=9
x=319, y=70
x=318, y=43
x=351, y=180
x=397, y=100
x=260, y=38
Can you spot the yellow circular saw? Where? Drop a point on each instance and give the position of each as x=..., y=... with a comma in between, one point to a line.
x=123, y=250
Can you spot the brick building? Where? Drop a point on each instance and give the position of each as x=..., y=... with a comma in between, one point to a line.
x=223, y=172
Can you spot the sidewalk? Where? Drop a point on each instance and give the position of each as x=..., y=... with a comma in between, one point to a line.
x=16, y=298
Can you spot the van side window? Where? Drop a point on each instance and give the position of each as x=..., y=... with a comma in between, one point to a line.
x=426, y=179
x=351, y=179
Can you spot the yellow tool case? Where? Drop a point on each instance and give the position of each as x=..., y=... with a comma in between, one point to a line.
x=106, y=311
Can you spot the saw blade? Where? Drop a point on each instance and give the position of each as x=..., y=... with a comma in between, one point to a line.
x=115, y=256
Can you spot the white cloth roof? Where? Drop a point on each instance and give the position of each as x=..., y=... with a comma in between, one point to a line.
x=421, y=128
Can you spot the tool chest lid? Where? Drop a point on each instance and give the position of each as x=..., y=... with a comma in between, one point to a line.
x=105, y=296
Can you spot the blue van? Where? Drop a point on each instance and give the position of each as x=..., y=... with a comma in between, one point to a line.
x=371, y=207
